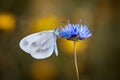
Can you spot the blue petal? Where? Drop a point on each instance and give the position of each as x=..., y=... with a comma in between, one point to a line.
x=84, y=28
x=64, y=33
x=73, y=31
x=88, y=34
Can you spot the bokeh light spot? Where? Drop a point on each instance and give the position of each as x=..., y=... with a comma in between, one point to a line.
x=7, y=21
x=69, y=46
x=45, y=23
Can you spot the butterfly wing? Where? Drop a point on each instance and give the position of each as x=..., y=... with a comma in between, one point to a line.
x=40, y=45
x=55, y=46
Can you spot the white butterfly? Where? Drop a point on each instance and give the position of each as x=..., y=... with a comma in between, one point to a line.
x=40, y=45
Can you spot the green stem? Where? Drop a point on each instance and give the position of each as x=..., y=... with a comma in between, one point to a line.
x=75, y=59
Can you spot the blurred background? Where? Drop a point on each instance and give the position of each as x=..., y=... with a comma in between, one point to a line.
x=98, y=56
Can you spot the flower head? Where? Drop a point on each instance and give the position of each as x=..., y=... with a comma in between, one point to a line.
x=75, y=32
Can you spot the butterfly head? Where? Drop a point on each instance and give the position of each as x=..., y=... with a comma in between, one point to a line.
x=55, y=32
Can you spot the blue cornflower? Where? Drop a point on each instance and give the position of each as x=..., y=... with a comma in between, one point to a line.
x=75, y=32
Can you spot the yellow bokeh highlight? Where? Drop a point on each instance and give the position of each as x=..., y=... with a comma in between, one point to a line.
x=68, y=46
x=7, y=21
x=45, y=23
x=43, y=70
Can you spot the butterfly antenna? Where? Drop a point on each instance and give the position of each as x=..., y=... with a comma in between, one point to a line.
x=80, y=21
x=68, y=21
